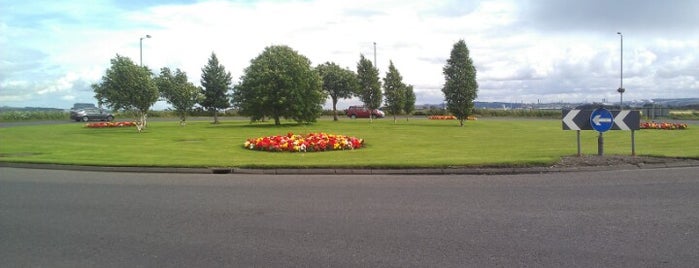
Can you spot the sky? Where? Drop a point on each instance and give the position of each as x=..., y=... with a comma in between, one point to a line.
x=528, y=51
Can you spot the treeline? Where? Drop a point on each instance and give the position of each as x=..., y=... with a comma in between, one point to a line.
x=28, y=115
x=14, y=116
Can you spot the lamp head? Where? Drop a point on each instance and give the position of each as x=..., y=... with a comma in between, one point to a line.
x=148, y=36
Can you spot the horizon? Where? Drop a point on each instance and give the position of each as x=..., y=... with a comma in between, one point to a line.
x=693, y=101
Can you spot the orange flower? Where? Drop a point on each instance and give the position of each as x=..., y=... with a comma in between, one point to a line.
x=312, y=142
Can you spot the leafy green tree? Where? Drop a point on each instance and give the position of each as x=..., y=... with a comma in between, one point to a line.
x=369, y=90
x=394, y=91
x=337, y=83
x=127, y=86
x=460, y=86
x=409, y=105
x=178, y=92
x=280, y=83
x=216, y=83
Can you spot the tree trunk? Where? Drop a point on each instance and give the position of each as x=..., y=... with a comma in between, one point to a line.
x=334, y=110
x=215, y=116
x=141, y=124
x=461, y=121
x=276, y=121
x=183, y=119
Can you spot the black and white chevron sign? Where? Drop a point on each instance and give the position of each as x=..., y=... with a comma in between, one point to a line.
x=580, y=120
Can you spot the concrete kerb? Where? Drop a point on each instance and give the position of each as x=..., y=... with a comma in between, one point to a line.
x=350, y=171
x=108, y=168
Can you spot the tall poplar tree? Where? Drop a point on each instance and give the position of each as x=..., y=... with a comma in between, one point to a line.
x=394, y=91
x=460, y=86
x=409, y=105
x=216, y=82
x=369, y=90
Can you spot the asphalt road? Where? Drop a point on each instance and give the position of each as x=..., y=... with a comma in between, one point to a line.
x=639, y=218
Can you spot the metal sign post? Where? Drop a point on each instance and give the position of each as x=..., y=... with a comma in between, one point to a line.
x=601, y=120
x=633, y=143
x=579, y=151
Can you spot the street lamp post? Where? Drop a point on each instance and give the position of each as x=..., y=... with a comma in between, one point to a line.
x=141, y=47
x=377, y=67
x=621, y=89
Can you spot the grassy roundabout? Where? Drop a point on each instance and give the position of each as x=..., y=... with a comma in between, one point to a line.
x=417, y=143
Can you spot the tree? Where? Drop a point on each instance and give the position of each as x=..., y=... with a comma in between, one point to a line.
x=394, y=91
x=409, y=105
x=369, y=90
x=337, y=83
x=216, y=83
x=178, y=92
x=460, y=86
x=127, y=86
x=280, y=83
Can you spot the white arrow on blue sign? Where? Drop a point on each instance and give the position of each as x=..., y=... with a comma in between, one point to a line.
x=601, y=120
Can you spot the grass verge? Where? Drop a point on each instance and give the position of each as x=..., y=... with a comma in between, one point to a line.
x=417, y=143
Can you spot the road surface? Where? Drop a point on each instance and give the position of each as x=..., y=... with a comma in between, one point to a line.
x=638, y=218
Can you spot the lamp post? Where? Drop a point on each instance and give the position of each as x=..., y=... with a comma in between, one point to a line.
x=141, y=47
x=377, y=67
x=621, y=89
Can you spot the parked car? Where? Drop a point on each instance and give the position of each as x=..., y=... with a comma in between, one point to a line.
x=362, y=112
x=78, y=106
x=91, y=114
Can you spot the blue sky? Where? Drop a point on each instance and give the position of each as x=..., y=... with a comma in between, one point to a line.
x=536, y=50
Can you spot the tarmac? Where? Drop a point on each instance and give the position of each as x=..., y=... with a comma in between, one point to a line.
x=356, y=171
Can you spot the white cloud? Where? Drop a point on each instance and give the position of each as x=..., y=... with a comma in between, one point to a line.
x=524, y=51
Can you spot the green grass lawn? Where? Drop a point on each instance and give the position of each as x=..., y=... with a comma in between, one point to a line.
x=417, y=143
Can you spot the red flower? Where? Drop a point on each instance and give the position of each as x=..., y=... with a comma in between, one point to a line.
x=315, y=142
x=663, y=125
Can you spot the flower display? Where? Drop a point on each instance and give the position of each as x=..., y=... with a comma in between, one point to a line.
x=448, y=117
x=312, y=142
x=441, y=117
x=663, y=125
x=110, y=124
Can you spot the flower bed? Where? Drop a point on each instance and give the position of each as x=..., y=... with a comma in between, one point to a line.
x=312, y=142
x=663, y=125
x=110, y=124
x=441, y=117
x=448, y=117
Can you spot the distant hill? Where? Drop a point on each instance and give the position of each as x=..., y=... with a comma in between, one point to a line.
x=29, y=109
x=686, y=102
x=690, y=103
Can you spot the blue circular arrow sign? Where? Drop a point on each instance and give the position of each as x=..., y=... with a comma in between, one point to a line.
x=601, y=120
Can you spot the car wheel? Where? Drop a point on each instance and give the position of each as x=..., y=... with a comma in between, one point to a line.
x=354, y=116
x=110, y=118
x=85, y=119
